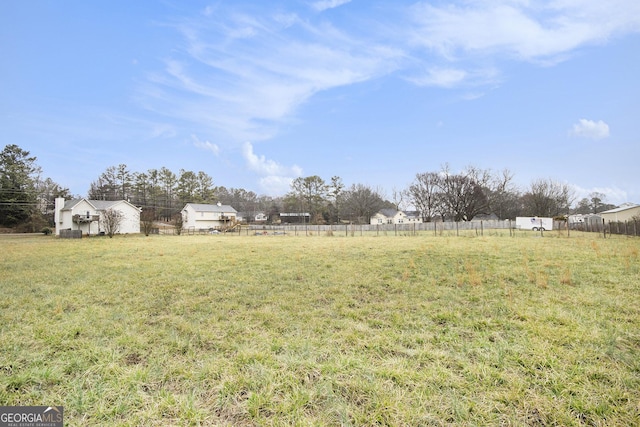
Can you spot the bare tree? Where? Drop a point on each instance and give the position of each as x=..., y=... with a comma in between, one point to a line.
x=503, y=195
x=111, y=220
x=146, y=220
x=548, y=198
x=424, y=193
x=399, y=197
x=361, y=202
x=464, y=194
x=178, y=223
x=47, y=191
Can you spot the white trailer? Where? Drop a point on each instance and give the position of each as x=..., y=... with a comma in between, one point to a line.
x=534, y=223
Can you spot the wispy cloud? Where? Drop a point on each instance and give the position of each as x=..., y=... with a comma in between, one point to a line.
x=532, y=31
x=328, y=4
x=243, y=75
x=443, y=77
x=614, y=194
x=590, y=129
x=205, y=145
x=448, y=77
x=275, y=178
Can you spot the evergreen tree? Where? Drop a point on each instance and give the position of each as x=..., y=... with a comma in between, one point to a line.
x=18, y=176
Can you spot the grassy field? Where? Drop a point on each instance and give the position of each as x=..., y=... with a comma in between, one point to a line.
x=284, y=330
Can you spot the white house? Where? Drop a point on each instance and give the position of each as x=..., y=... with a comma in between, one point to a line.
x=202, y=216
x=87, y=215
x=591, y=219
x=249, y=217
x=392, y=216
x=625, y=212
x=261, y=217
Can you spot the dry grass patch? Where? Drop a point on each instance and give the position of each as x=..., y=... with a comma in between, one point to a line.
x=282, y=330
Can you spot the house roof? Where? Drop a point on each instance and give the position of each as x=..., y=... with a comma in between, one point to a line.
x=389, y=213
x=99, y=205
x=199, y=207
x=69, y=204
x=103, y=205
x=622, y=208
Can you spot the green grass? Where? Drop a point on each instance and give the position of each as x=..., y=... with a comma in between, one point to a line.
x=284, y=330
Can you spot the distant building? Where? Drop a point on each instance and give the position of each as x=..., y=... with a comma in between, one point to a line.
x=204, y=216
x=625, y=212
x=591, y=219
x=261, y=217
x=252, y=217
x=295, y=217
x=393, y=216
x=87, y=215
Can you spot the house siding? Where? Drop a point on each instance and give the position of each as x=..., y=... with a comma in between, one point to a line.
x=620, y=214
x=389, y=216
x=130, y=219
x=66, y=210
x=81, y=208
x=206, y=216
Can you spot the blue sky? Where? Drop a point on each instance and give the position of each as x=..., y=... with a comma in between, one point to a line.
x=258, y=93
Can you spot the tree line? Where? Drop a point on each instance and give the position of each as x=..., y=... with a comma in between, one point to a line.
x=164, y=193
x=27, y=199
x=435, y=195
x=441, y=195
